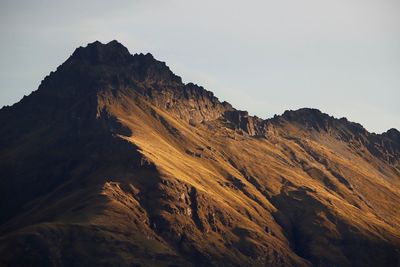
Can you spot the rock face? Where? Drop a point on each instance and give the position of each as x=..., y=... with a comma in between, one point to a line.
x=114, y=161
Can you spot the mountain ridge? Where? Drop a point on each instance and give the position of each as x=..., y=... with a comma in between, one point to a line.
x=115, y=161
x=119, y=54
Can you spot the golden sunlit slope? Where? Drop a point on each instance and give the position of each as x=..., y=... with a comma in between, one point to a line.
x=294, y=190
x=115, y=162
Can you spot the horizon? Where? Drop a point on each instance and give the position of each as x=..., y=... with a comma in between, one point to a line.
x=347, y=68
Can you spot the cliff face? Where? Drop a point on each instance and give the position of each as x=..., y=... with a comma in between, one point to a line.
x=115, y=161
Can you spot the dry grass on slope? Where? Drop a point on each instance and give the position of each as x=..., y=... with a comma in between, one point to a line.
x=246, y=176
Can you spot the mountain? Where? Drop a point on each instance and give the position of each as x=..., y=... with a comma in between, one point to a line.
x=114, y=161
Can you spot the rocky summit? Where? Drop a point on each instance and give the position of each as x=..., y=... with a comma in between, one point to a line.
x=114, y=161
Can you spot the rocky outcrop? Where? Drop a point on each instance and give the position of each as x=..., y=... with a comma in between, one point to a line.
x=241, y=120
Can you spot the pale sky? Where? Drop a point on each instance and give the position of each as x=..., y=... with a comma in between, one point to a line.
x=340, y=56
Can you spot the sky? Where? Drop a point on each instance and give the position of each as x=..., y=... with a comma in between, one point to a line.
x=340, y=56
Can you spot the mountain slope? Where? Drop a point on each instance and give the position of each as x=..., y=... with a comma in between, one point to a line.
x=113, y=161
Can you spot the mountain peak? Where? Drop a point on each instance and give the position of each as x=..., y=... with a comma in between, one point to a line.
x=307, y=117
x=312, y=118
x=98, y=53
x=112, y=61
x=393, y=134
